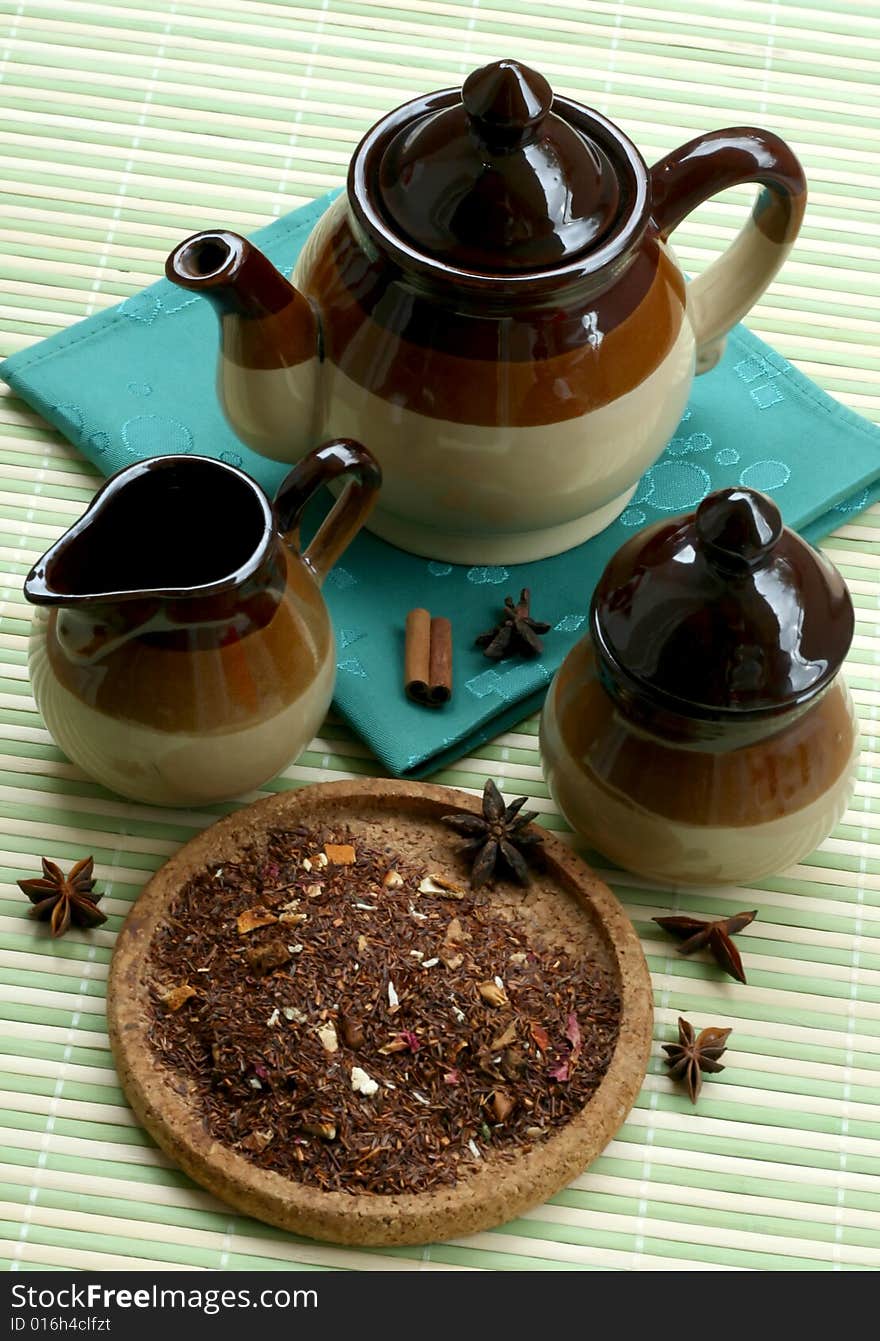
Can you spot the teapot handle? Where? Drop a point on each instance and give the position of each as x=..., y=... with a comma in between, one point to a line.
x=724, y=293
x=342, y=456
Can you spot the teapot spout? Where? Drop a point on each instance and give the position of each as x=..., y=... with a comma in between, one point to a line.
x=269, y=360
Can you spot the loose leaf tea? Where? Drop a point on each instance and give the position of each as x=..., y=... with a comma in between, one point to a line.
x=401, y=1034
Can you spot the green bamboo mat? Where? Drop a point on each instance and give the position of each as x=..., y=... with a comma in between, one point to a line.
x=126, y=125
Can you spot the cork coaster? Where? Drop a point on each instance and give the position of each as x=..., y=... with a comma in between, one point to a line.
x=566, y=905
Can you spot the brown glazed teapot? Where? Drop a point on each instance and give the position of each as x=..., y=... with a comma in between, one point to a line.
x=701, y=733
x=495, y=310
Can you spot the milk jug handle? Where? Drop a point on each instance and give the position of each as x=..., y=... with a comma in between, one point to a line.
x=724, y=293
x=331, y=462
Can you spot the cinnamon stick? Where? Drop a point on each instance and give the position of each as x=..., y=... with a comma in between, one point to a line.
x=440, y=666
x=427, y=672
x=417, y=655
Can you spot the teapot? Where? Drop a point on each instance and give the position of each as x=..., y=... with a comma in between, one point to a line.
x=701, y=733
x=182, y=652
x=494, y=307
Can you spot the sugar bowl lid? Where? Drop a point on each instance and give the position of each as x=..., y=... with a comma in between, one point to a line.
x=498, y=179
x=726, y=611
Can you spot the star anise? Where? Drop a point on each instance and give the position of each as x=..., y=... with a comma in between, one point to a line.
x=695, y=1053
x=517, y=634
x=499, y=836
x=61, y=899
x=714, y=936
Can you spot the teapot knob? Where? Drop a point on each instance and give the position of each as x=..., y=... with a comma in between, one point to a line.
x=506, y=102
x=738, y=527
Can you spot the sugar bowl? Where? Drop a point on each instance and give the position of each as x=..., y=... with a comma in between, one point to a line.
x=701, y=732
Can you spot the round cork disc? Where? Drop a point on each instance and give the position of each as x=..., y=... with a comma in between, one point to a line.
x=566, y=904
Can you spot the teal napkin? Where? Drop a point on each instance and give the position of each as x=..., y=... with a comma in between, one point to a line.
x=138, y=380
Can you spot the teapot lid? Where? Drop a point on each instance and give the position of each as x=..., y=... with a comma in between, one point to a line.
x=498, y=179
x=726, y=610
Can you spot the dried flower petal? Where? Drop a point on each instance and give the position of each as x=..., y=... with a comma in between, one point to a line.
x=540, y=1037
x=573, y=1032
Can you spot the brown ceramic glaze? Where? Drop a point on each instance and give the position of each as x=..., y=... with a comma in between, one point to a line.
x=725, y=158
x=725, y=611
x=495, y=301
x=566, y=905
x=498, y=181
x=702, y=732
x=449, y=369
x=182, y=651
x=264, y=322
x=738, y=780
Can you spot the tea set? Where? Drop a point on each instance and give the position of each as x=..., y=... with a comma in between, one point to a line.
x=495, y=311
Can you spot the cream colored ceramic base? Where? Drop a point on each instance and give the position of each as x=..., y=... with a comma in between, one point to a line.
x=274, y=410
x=170, y=768
x=522, y=547
x=566, y=904
x=472, y=493
x=686, y=854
